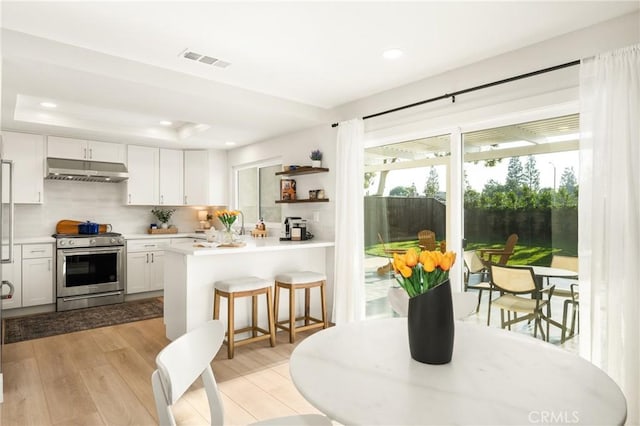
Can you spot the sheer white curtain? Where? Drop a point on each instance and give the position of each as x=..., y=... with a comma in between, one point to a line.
x=609, y=218
x=348, y=296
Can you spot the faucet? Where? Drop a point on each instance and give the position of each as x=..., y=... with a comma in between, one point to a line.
x=241, y=232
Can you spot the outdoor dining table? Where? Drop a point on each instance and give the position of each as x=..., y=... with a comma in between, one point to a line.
x=362, y=373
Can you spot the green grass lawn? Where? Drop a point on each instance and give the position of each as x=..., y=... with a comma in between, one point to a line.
x=522, y=255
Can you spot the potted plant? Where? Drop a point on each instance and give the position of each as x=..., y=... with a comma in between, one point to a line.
x=163, y=215
x=425, y=277
x=316, y=158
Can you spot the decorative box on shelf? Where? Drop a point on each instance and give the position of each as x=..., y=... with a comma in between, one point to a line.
x=162, y=231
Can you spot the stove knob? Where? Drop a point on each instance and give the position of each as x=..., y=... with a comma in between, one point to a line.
x=62, y=242
x=113, y=240
x=92, y=242
x=71, y=242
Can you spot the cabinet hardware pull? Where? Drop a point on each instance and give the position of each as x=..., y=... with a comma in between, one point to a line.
x=39, y=196
x=161, y=199
x=152, y=261
x=147, y=257
x=37, y=251
x=129, y=198
x=84, y=155
x=91, y=153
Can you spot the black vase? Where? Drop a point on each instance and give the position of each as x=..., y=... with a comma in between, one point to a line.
x=431, y=327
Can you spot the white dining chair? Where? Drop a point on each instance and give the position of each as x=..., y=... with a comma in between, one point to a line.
x=464, y=304
x=188, y=357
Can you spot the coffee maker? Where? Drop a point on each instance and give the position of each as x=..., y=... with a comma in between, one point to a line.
x=285, y=235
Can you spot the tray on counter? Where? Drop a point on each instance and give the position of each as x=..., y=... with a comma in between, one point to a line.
x=162, y=231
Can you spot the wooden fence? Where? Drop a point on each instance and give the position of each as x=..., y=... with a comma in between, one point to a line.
x=400, y=219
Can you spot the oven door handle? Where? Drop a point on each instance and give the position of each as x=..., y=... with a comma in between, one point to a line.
x=87, y=253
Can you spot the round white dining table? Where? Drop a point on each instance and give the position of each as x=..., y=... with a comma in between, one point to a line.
x=362, y=373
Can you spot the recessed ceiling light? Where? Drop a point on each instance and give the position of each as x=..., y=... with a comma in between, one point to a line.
x=48, y=104
x=392, y=53
x=166, y=123
x=229, y=143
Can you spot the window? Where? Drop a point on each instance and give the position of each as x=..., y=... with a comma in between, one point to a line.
x=522, y=179
x=258, y=188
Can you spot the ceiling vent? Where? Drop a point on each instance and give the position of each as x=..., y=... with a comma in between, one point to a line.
x=204, y=59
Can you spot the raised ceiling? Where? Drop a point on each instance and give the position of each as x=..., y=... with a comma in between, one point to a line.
x=116, y=69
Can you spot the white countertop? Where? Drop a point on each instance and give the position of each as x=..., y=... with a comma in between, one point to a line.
x=252, y=245
x=32, y=240
x=146, y=236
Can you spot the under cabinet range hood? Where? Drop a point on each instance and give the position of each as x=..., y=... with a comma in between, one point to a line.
x=86, y=171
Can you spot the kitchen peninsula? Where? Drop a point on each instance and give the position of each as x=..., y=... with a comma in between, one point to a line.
x=190, y=272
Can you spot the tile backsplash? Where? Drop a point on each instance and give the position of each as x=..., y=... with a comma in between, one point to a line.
x=97, y=202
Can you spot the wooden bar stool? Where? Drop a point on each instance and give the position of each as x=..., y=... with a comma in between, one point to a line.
x=293, y=281
x=244, y=287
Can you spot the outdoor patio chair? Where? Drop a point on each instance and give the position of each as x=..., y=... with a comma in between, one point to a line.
x=519, y=293
x=388, y=268
x=427, y=240
x=473, y=265
x=499, y=256
x=571, y=294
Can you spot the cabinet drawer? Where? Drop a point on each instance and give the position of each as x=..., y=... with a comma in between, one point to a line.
x=34, y=251
x=147, y=244
x=187, y=240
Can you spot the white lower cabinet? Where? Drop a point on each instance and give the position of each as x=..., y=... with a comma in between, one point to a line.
x=37, y=274
x=145, y=265
x=12, y=272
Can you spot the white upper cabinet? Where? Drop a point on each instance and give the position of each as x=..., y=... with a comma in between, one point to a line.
x=27, y=153
x=171, y=177
x=218, y=178
x=144, y=172
x=78, y=149
x=196, y=184
x=108, y=152
x=205, y=177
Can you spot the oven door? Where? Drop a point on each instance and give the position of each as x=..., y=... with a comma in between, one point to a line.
x=89, y=271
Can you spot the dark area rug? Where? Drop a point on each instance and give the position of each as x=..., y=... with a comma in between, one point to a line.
x=54, y=323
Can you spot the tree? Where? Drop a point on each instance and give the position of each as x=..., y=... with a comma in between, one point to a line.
x=515, y=175
x=400, y=191
x=531, y=175
x=472, y=198
x=568, y=180
x=413, y=191
x=492, y=188
x=369, y=177
x=433, y=185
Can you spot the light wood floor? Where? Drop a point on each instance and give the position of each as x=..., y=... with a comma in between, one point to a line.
x=103, y=377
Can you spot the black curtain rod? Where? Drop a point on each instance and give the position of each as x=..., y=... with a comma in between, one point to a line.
x=471, y=89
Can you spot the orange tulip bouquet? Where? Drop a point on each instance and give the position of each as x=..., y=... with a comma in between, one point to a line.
x=227, y=217
x=422, y=271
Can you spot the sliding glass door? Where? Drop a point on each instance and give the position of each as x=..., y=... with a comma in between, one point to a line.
x=405, y=192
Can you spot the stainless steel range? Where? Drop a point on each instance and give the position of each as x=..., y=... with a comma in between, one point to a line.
x=90, y=270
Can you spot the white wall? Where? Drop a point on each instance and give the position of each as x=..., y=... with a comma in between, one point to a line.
x=98, y=202
x=542, y=96
x=295, y=149
x=616, y=33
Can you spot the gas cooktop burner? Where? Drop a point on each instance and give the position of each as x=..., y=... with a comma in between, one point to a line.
x=107, y=239
x=104, y=234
